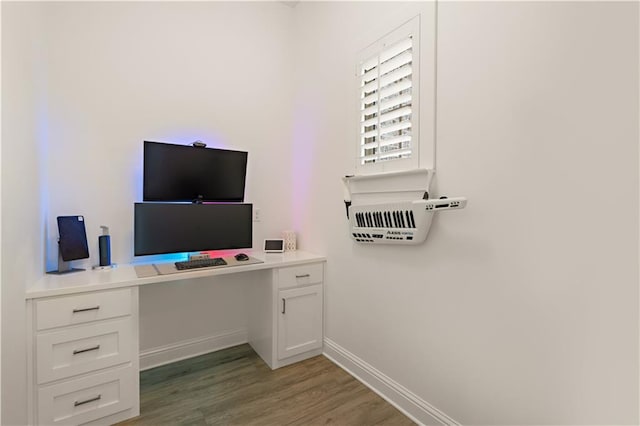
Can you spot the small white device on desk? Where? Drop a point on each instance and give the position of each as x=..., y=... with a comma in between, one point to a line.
x=274, y=245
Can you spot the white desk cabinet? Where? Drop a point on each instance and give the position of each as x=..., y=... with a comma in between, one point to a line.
x=83, y=346
x=290, y=328
x=83, y=356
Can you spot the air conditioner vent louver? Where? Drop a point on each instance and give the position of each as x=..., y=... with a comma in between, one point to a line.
x=405, y=222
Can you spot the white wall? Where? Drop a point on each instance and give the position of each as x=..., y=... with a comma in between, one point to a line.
x=108, y=76
x=522, y=308
x=0, y=222
x=163, y=71
x=23, y=128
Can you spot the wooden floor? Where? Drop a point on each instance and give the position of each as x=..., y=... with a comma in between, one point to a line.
x=235, y=387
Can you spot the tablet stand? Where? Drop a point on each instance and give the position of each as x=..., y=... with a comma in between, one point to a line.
x=64, y=267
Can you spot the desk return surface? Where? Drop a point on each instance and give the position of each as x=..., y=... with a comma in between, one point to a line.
x=125, y=275
x=83, y=345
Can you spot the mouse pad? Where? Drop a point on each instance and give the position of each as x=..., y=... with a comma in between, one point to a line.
x=144, y=271
x=170, y=268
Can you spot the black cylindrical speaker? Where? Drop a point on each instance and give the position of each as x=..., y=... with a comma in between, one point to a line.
x=104, y=245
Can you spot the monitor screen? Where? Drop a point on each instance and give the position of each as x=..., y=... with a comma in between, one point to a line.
x=187, y=173
x=175, y=228
x=73, y=238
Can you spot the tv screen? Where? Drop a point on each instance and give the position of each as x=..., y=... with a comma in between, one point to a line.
x=73, y=238
x=175, y=228
x=187, y=173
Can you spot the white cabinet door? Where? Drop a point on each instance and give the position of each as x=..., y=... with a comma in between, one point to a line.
x=299, y=320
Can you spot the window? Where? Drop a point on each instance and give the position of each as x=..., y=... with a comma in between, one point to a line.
x=388, y=74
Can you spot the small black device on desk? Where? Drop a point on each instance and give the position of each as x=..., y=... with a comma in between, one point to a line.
x=72, y=244
x=104, y=247
x=200, y=263
x=241, y=257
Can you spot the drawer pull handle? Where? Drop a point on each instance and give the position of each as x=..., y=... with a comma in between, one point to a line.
x=86, y=401
x=79, y=351
x=93, y=308
x=303, y=276
x=284, y=305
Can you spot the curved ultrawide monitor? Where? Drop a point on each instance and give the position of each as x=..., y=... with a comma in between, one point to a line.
x=186, y=173
x=176, y=228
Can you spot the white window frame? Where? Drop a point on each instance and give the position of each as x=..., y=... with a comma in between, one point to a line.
x=410, y=29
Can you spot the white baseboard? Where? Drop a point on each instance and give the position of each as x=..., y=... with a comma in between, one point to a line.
x=185, y=349
x=417, y=409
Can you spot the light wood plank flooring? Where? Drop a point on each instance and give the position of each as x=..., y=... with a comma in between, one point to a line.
x=235, y=387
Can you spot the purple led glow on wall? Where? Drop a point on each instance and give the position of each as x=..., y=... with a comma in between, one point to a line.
x=302, y=151
x=43, y=130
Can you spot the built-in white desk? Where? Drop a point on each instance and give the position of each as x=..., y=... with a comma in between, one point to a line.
x=83, y=346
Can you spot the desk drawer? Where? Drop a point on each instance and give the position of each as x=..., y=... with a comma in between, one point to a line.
x=294, y=276
x=89, y=398
x=82, y=349
x=78, y=309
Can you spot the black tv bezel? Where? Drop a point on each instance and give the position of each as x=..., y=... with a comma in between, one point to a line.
x=154, y=197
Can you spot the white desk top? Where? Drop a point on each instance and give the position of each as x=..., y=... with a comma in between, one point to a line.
x=125, y=275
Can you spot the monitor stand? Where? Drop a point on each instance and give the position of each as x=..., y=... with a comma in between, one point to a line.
x=64, y=267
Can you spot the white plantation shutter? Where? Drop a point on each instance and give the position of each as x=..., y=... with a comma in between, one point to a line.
x=388, y=76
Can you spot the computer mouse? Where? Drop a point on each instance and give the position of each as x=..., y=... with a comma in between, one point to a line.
x=241, y=257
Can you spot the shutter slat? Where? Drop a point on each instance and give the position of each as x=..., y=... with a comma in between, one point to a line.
x=395, y=88
x=387, y=142
x=396, y=75
x=370, y=134
x=396, y=49
x=370, y=75
x=369, y=98
x=369, y=63
x=396, y=113
x=395, y=62
x=394, y=153
x=394, y=128
x=369, y=87
x=370, y=110
x=386, y=92
x=369, y=157
x=389, y=104
x=395, y=101
x=370, y=122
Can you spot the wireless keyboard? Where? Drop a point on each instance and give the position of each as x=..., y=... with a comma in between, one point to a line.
x=200, y=263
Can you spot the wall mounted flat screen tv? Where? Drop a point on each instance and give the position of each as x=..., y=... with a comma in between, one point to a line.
x=186, y=173
x=176, y=228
